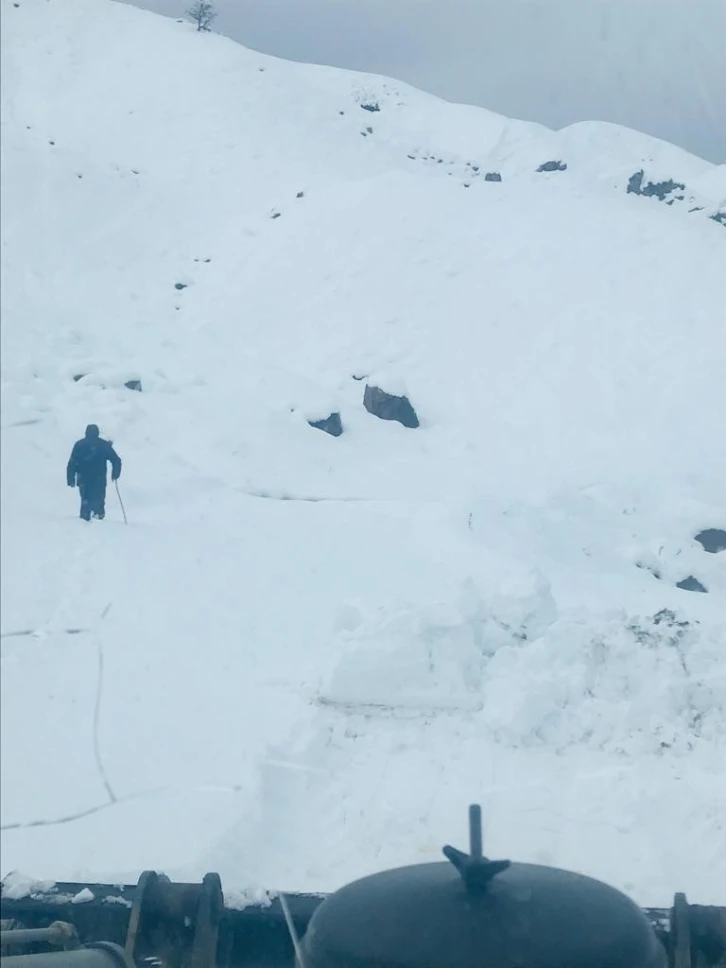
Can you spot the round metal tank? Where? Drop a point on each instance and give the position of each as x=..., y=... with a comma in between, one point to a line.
x=476, y=913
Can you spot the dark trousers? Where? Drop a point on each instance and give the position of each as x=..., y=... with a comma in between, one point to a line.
x=93, y=498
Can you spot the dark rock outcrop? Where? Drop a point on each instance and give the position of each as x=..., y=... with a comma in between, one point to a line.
x=133, y=385
x=712, y=540
x=660, y=190
x=493, y=176
x=553, y=166
x=331, y=425
x=387, y=406
x=691, y=584
x=371, y=106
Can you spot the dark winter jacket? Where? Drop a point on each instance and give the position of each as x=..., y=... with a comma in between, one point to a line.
x=88, y=461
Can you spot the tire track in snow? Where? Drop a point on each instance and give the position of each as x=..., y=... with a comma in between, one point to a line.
x=80, y=586
x=34, y=633
x=72, y=591
x=75, y=589
x=117, y=802
x=97, y=715
x=28, y=825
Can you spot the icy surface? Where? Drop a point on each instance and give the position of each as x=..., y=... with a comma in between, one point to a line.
x=304, y=656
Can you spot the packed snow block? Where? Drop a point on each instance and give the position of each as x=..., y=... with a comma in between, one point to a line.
x=660, y=190
x=712, y=540
x=691, y=584
x=434, y=658
x=406, y=658
x=387, y=406
x=133, y=385
x=553, y=166
x=332, y=425
x=517, y=607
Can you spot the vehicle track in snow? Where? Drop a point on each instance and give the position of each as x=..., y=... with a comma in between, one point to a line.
x=71, y=600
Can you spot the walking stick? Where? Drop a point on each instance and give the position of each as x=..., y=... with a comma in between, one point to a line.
x=123, y=509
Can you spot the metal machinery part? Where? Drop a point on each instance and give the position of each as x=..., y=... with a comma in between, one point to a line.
x=99, y=954
x=170, y=925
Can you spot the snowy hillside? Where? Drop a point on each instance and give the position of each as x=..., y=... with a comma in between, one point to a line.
x=651, y=65
x=352, y=636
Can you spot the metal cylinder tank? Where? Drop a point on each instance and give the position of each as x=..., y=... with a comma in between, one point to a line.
x=477, y=913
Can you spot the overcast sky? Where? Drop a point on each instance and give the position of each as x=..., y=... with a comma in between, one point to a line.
x=655, y=65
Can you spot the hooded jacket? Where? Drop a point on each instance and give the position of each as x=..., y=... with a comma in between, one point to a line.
x=87, y=464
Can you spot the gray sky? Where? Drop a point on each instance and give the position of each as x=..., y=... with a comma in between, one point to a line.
x=655, y=65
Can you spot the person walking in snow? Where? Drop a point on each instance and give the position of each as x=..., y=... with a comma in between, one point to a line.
x=87, y=469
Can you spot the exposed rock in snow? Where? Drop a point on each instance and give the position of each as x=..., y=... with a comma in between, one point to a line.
x=660, y=190
x=331, y=425
x=553, y=166
x=691, y=584
x=388, y=406
x=712, y=540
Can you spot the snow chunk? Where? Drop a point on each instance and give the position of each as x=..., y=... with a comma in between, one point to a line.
x=117, y=899
x=16, y=885
x=83, y=897
x=430, y=657
x=434, y=656
x=240, y=899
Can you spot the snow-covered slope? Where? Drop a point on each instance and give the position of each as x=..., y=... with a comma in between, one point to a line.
x=651, y=65
x=351, y=636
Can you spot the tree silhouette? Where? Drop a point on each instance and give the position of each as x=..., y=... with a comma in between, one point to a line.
x=202, y=13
